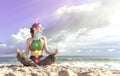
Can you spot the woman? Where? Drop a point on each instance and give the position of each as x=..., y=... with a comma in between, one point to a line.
x=36, y=44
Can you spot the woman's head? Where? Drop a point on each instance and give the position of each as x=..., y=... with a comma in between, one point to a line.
x=36, y=27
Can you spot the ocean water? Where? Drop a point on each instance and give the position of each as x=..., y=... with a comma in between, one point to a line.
x=78, y=61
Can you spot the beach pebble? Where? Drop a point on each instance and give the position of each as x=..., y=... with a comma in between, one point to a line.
x=9, y=74
x=67, y=72
x=34, y=74
x=63, y=73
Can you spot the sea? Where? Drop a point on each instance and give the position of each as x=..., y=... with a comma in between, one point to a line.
x=112, y=63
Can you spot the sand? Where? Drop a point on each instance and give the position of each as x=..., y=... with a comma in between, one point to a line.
x=54, y=70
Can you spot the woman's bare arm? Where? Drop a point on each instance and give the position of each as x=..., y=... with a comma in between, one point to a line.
x=27, y=46
x=45, y=46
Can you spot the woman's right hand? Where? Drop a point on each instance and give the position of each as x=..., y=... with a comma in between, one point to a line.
x=17, y=51
x=56, y=52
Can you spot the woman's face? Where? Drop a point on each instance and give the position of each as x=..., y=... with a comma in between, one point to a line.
x=38, y=28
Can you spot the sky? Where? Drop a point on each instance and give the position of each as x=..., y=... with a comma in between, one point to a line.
x=74, y=27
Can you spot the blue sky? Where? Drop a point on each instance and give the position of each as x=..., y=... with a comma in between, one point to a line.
x=75, y=27
x=22, y=13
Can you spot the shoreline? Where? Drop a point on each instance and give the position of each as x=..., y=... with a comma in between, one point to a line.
x=54, y=70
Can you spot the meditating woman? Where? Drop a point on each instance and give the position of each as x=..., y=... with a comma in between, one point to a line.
x=36, y=45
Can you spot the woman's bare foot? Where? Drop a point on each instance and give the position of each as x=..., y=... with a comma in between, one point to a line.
x=17, y=51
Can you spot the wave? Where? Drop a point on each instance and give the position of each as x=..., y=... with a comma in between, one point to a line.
x=102, y=65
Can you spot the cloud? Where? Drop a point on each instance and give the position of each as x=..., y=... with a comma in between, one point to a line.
x=17, y=40
x=21, y=35
x=111, y=50
x=3, y=45
x=88, y=26
x=74, y=18
x=5, y=48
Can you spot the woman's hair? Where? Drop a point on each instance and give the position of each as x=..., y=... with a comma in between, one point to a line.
x=34, y=25
x=32, y=32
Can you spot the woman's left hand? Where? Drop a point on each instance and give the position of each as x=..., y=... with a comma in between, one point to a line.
x=56, y=52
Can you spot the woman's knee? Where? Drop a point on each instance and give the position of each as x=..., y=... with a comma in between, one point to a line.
x=48, y=60
x=52, y=57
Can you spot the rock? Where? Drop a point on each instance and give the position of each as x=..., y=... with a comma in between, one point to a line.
x=67, y=73
x=34, y=74
x=84, y=74
x=9, y=74
x=63, y=73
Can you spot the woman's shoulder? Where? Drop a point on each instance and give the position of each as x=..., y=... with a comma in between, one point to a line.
x=29, y=39
x=43, y=37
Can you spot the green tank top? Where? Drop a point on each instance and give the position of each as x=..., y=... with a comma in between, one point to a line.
x=36, y=45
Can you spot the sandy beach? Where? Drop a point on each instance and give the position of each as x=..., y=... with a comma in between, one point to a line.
x=54, y=70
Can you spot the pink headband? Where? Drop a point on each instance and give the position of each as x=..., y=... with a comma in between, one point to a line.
x=36, y=24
